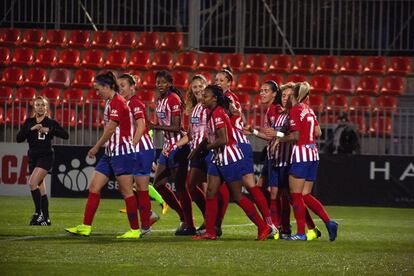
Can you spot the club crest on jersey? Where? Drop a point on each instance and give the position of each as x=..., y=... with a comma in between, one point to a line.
x=161, y=115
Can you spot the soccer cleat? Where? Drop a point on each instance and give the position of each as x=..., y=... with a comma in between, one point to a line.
x=264, y=234
x=122, y=210
x=219, y=231
x=297, y=237
x=201, y=230
x=188, y=231
x=313, y=234
x=154, y=217
x=332, y=227
x=274, y=235
x=44, y=222
x=35, y=219
x=205, y=236
x=80, y=230
x=131, y=234
x=145, y=231
x=164, y=207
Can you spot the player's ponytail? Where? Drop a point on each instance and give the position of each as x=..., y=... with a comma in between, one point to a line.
x=132, y=80
x=301, y=91
x=107, y=79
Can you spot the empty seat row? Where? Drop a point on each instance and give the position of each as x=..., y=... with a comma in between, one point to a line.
x=85, y=39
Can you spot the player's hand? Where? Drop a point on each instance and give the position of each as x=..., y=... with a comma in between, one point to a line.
x=44, y=130
x=135, y=142
x=167, y=151
x=92, y=152
x=269, y=132
x=248, y=129
x=36, y=127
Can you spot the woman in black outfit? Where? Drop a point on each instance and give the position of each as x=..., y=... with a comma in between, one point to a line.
x=39, y=131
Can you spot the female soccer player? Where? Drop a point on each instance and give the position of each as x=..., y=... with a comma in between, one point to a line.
x=224, y=79
x=144, y=150
x=195, y=135
x=169, y=111
x=39, y=131
x=119, y=158
x=226, y=164
x=304, y=162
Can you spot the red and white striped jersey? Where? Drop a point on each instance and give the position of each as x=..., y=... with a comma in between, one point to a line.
x=137, y=108
x=198, y=123
x=237, y=121
x=230, y=152
x=303, y=119
x=120, y=142
x=167, y=107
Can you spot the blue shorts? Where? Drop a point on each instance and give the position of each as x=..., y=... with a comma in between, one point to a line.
x=116, y=165
x=277, y=176
x=176, y=158
x=247, y=151
x=144, y=161
x=305, y=170
x=228, y=173
x=202, y=163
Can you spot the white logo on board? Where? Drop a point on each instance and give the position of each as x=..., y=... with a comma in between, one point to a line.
x=77, y=180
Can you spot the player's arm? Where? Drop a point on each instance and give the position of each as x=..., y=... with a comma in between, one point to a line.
x=108, y=131
x=58, y=131
x=318, y=131
x=262, y=133
x=23, y=134
x=175, y=125
x=221, y=139
x=139, y=132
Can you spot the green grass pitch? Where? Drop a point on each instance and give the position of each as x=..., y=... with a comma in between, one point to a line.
x=370, y=241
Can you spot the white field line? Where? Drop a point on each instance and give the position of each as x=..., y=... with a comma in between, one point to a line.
x=23, y=238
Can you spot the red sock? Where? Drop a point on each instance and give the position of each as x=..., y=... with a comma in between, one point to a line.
x=171, y=200
x=309, y=220
x=261, y=203
x=132, y=211
x=144, y=206
x=316, y=207
x=91, y=205
x=274, y=211
x=299, y=210
x=250, y=210
x=198, y=196
x=211, y=215
x=187, y=207
x=223, y=203
x=285, y=212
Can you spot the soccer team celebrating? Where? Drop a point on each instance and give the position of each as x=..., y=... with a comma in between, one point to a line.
x=209, y=162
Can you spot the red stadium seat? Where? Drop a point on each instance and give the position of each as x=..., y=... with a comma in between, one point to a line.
x=248, y=82
x=296, y=78
x=368, y=85
x=149, y=80
x=385, y=105
x=206, y=74
x=359, y=123
x=52, y=94
x=147, y=97
x=46, y=58
x=181, y=79
x=320, y=84
x=23, y=57
x=209, y=61
x=351, y=65
x=79, y=39
x=234, y=61
x=69, y=58
x=16, y=116
x=9, y=37
x=116, y=60
x=140, y=59
x=303, y=65
x=83, y=78
x=56, y=38
x=92, y=98
x=337, y=104
x=256, y=63
x=186, y=61
x=66, y=117
x=91, y=118
x=328, y=119
x=327, y=65
x=73, y=96
x=380, y=126
x=12, y=76
x=316, y=103
x=6, y=95
x=36, y=77
x=162, y=61
x=59, y=77
x=344, y=85
x=125, y=40
x=392, y=85
x=33, y=38
x=25, y=95
x=93, y=59
x=2, y=117
x=375, y=66
x=102, y=39
x=360, y=104
x=148, y=41
x=4, y=56
x=244, y=100
x=172, y=41
x=400, y=66
x=274, y=77
x=280, y=64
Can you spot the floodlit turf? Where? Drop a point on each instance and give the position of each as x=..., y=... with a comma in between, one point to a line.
x=371, y=241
